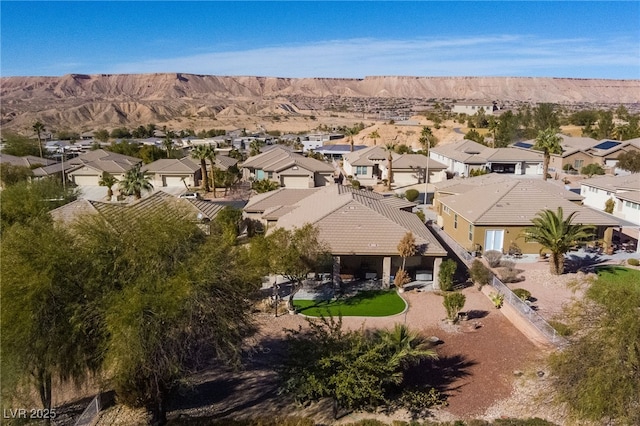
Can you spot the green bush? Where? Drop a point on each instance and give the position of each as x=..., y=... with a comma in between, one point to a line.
x=522, y=293
x=411, y=195
x=480, y=274
x=453, y=303
x=633, y=262
x=561, y=328
x=355, y=184
x=592, y=169
x=421, y=215
x=447, y=271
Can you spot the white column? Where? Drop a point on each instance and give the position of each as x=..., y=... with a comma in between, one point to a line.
x=436, y=271
x=386, y=272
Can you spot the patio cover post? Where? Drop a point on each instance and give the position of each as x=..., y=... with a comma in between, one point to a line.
x=336, y=271
x=436, y=271
x=386, y=271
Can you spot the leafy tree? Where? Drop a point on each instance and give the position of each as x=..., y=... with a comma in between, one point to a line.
x=357, y=370
x=265, y=185
x=545, y=117
x=453, y=303
x=412, y=194
x=549, y=143
x=427, y=139
x=38, y=127
x=151, y=153
x=41, y=283
x=101, y=135
x=609, y=205
x=108, y=181
x=296, y=253
x=125, y=147
x=629, y=161
x=446, y=274
x=605, y=125
x=229, y=219
x=403, y=149
x=120, y=133
x=555, y=233
x=507, y=130
x=592, y=169
x=598, y=374
x=473, y=135
x=10, y=174
x=480, y=274
x=24, y=201
x=201, y=153
x=583, y=118
x=67, y=135
x=135, y=181
x=254, y=147
x=19, y=146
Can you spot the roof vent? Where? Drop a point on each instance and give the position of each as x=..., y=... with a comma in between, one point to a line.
x=373, y=244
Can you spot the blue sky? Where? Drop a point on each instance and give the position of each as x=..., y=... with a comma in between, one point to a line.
x=323, y=39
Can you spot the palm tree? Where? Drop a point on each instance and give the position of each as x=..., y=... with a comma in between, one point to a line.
x=108, y=180
x=404, y=346
x=350, y=132
x=427, y=139
x=390, y=147
x=135, y=181
x=493, y=128
x=407, y=247
x=167, y=142
x=39, y=128
x=200, y=152
x=375, y=136
x=557, y=234
x=211, y=156
x=548, y=142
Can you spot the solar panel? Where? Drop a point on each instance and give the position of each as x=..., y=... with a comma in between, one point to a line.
x=606, y=145
x=523, y=145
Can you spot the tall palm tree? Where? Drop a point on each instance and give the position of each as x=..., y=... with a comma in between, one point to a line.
x=167, y=142
x=390, y=147
x=108, y=180
x=211, y=156
x=375, y=136
x=351, y=132
x=254, y=148
x=200, y=153
x=135, y=181
x=493, y=128
x=38, y=127
x=557, y=234
x=427, y=139
x=548, y=142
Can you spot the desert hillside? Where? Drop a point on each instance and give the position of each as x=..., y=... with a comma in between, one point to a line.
x=86, y=102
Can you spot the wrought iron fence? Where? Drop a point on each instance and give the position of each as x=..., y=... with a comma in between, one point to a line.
x=90, y=413
x=509, y=296
x=529, y=314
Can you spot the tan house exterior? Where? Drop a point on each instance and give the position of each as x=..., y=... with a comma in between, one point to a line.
x=362, y=229
x=288, y=169
x=88, y=167
x=488, y=213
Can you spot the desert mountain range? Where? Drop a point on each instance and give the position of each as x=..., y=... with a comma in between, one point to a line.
x=86, y=102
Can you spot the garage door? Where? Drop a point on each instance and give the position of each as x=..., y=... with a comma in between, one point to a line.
x=173, y=181
x=295, y=181
x=81, y=180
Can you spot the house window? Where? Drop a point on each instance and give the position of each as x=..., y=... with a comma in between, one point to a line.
x=270, y=175
x=470, y=232
x=446, y=209
x=455, y=221
x=361, y=170
x=577, y=164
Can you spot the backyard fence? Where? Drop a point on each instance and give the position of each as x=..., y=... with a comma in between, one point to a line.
x=90, y=413
x=518, y=304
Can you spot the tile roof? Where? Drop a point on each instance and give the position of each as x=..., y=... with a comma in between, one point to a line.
x=105, y=161
x=416, y=161
x=368, y=156
x=279, y=197
x=614, y=183
x=355, y=221
x=471, y=152
x=516, y=203
x=166, y=165
x=26, y=161
x=279, y=158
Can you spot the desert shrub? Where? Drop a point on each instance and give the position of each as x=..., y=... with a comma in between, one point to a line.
x=633, y=262
x=447, y=271
x=479, y=273
x=609, y=205
x=561, y=328
x=508, y=272
x=453, y=303
x=493, y=258
x=592, y=169
x=421, y=215
x=355, y=184
x=522, y=293
x=411, y=195
x=401, y=278
x=419, y=402
x=497, y=299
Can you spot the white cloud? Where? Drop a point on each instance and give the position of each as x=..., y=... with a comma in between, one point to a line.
x=512, y=55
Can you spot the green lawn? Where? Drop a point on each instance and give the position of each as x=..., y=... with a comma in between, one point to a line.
x=364, y=304
x=618, y=274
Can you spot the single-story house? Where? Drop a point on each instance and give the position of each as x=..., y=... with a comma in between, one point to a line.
x=464, y=156
x=361, y=228
x=337, y=151
x=288, y=169
x=174, y=172
x=623, y=190
x=472, y=108
x=89, y=166
x=370, y=165
x=487, y=213
x=30, y=161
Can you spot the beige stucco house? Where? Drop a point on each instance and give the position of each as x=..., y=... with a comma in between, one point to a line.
x=88, y=167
